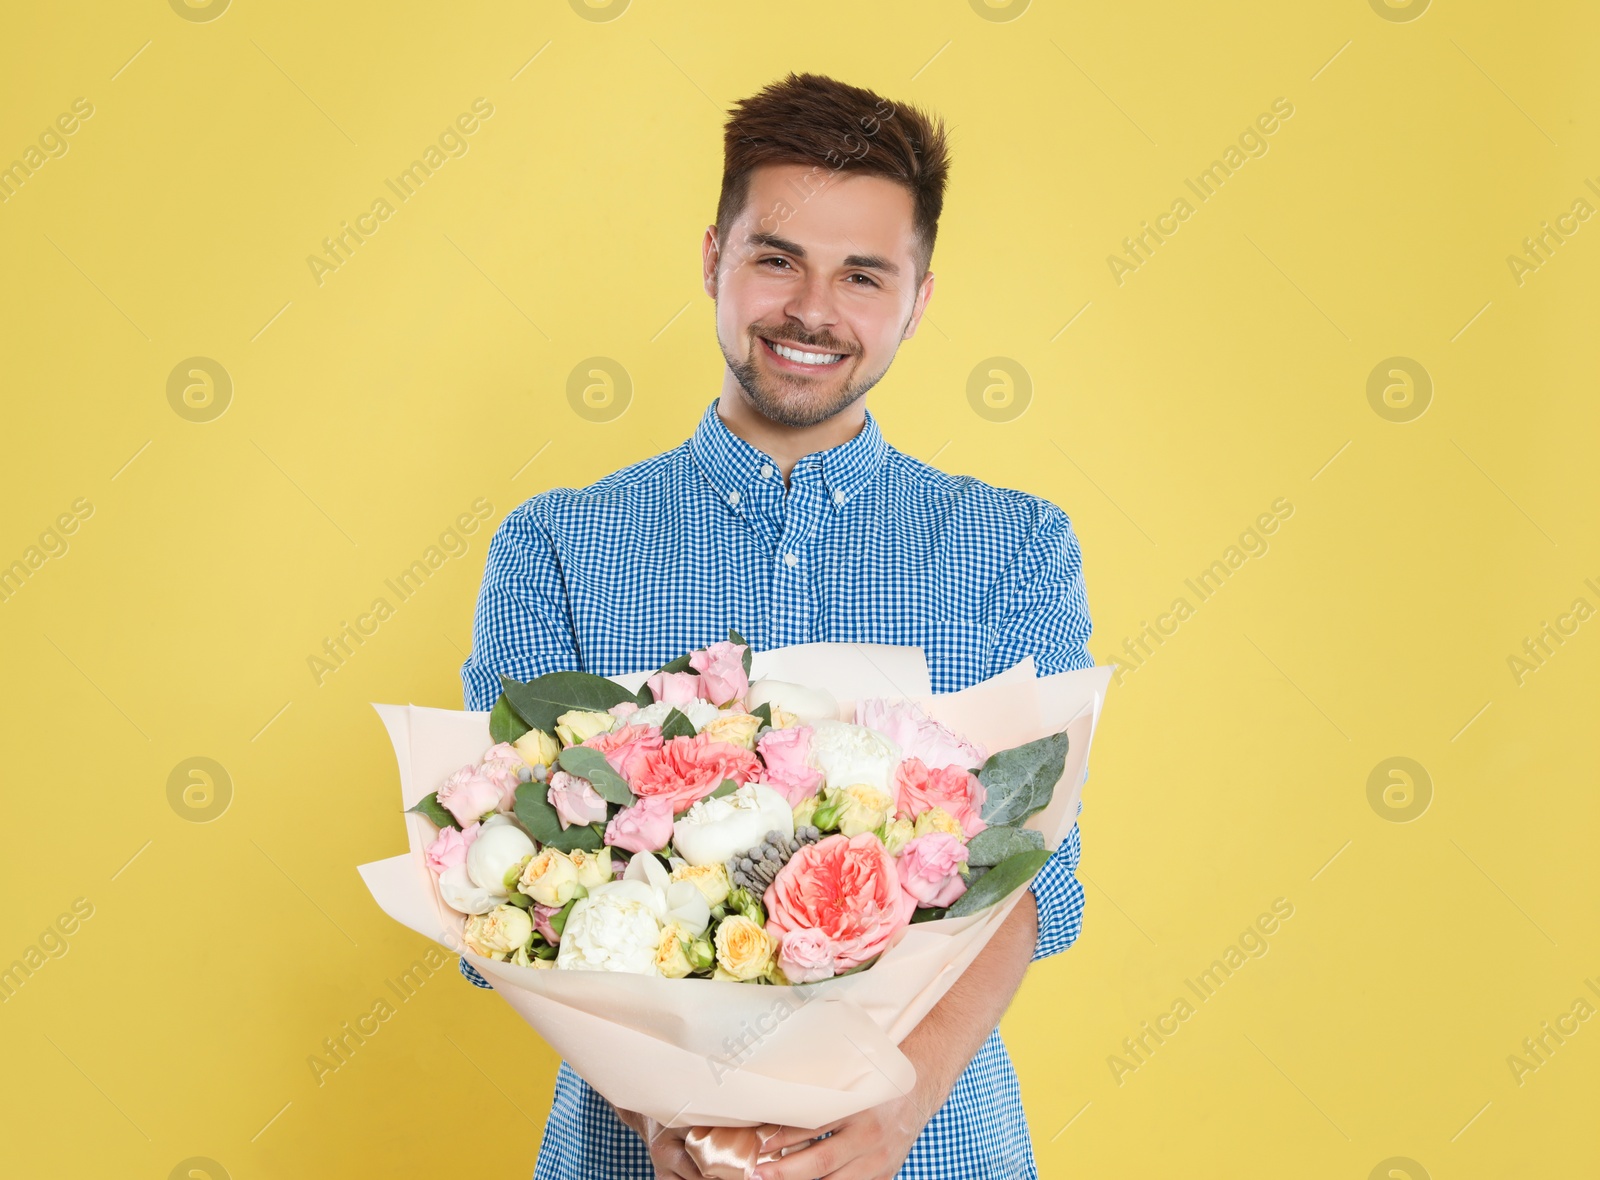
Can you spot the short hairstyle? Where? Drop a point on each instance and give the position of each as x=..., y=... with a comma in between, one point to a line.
x=812, y=119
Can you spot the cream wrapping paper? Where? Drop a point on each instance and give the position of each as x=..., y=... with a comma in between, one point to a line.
x=709, y=1053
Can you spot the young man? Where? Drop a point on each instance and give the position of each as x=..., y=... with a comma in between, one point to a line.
x=789, y=517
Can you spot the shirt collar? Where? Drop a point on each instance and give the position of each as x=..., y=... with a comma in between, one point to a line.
x=733, y=466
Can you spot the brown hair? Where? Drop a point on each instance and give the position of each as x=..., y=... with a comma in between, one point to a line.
x=812, y=119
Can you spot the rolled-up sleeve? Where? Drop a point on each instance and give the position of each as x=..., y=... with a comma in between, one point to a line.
x=1048, y=619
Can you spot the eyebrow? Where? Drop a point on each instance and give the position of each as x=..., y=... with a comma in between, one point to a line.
x=862, y=261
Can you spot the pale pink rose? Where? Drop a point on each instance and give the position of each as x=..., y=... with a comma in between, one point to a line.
x=930, y=869
x=502, y=766
x=846, y=888
x=623, y=708
x=449, y=848
x=918, y=735
x=468, y=795
x=687, y=769
x=676, y=688
x=956, y=790
x=541, y=915
x=807, y=956
x=721, y=668
x=784, y=751
x=644, y=827
x=627, y=748
x=575, y=800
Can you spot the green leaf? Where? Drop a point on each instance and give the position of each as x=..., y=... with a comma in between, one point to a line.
x=735, y=637
x=534, y=812
x=926, y=915
x=644, y=698
x=521, y=900
x=726, y=787
x=681, y=664
x=763, y=711
x=429, y=806
x=999, y=882
x=676, y=725
x=558, y=920
x=1021, y=781
x=540, y=701
x=591, y=764
x=993, y=845
x=504, y=724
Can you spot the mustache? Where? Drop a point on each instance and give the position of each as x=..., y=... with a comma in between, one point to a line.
x=808, y=345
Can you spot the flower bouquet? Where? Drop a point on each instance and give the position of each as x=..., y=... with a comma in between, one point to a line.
x=593, y=842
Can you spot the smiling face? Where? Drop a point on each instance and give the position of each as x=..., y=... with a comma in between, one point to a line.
x=815, y=294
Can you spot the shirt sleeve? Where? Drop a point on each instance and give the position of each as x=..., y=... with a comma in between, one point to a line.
x=1048, y=618
x=522, y=626
x=523, y=623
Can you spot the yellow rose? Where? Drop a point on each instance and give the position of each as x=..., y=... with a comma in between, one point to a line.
x=744, y=949
x=499, y=933
x=550, y=878
x=782, y=718
x=711, y=880
x=576, y=727
x=865, y=809
x=593, y=868
x=737, y=729
x=895, y=835
x=537, y=748
x=937, y=819
x=672, y=955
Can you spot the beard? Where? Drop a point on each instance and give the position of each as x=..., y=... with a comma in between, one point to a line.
x=792, y=401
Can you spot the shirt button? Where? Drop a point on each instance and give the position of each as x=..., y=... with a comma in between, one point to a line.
x=766, y=471
x=733, y=498
x=838, y=497
x=791, y=559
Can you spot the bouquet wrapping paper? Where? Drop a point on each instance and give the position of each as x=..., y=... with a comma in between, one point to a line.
x=709, y=1053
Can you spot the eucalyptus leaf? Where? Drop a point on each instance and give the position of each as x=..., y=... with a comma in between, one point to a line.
x=534, y=812
x=504, y=724
x=999, y=882
x=993, y=845
x=541, y=700
x=676, y=725
x=644, y=698
x=926, y=915
x=681, y=664
x=1020, y=781
x=591, y=764
x=429, y=806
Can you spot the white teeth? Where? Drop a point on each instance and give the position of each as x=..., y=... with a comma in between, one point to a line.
x=805, y=358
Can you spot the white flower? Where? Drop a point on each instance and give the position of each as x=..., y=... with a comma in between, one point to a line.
x=716, y=830
x=809, y=704
x=851, y=754
x=497, y=848
x=699, y=713
x=615, y=928
x=461, y=895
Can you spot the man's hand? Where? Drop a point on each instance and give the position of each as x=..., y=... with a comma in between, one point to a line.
x=867, y=1146
x=667, y=1152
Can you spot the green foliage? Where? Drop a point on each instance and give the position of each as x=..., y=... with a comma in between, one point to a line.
x=504, y=724
x=429, y=806
x=533, y=812
x=541, y=700
x=999, y=882
x=995, y=844
x=591, y=764
x=1021, y=781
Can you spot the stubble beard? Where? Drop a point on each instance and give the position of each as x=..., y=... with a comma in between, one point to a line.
x=796, y=403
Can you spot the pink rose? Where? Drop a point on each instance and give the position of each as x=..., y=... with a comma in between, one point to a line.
x=468, y=795
x=956, y=790
x=541, y=915
x=627, y=748
x=918, y=735
x=807, y=956
x=575, y=800
x=930, y=869
x=721, y=668
x=845, y=888
x=644, y=827
x=676, y=688
x=784, y=751
x=502, y=766
x=687, y=769
x=449, y=848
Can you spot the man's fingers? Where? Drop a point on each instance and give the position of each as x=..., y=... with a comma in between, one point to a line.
x=774, y=1138
x=820, y=1159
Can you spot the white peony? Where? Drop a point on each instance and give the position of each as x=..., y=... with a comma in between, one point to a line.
x=808, y=704
x=618, y=926
x=461, y=895
x=699, y=713
x=850, y=754
x=497, y=848
x=715, y=830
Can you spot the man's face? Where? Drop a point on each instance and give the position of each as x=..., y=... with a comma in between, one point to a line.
x=829, y=275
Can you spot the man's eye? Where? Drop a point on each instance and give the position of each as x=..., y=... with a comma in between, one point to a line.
x=871, y=282
x=779, y=261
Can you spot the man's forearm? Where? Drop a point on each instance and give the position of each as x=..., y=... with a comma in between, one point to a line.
x=955, y=1028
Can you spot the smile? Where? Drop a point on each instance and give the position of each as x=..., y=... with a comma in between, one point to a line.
x=799, y=358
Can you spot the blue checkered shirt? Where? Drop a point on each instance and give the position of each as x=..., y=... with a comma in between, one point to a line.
x=866, y=545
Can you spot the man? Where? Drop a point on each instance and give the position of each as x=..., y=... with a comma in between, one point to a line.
x=789, y=517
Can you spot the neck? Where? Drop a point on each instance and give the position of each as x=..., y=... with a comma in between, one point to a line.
x=786, y=444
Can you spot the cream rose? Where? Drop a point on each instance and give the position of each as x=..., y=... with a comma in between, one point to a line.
x=865, y=809
x=577, y=726
x=498, y=933
x=744, y=949
x=537, y=748
x=737, y=729
x=550, y=878
x=710, y=879
x=672, y=956
x=593, y=868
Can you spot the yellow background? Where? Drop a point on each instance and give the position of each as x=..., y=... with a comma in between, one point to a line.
x=1230, y=370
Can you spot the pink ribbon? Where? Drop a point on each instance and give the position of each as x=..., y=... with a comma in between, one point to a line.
x=726, y=1153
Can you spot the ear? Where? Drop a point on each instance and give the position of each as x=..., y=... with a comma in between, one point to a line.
x=710, y=259
x=924, y=293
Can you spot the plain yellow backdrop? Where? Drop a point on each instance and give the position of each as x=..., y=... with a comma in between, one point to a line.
x=1165, y=407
